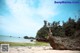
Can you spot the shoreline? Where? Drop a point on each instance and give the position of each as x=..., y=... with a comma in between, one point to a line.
x=16, y=42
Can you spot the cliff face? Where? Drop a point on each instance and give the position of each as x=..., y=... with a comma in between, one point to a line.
x=66, y=36
x=67, y=43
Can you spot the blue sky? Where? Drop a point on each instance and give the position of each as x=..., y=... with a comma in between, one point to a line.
x=25, y=17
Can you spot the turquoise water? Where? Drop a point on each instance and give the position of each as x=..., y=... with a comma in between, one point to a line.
x=13, y=39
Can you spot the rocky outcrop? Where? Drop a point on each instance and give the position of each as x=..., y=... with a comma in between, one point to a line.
x=68, y=42
x=63, y=43
x=56, y=45
x=53, y=44
x=41, y=39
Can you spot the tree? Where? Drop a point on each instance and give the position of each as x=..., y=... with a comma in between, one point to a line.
x=78, y=24
x=26, y=37
x=69, y=27
x=42, y=33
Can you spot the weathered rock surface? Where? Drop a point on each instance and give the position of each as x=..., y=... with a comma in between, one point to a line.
x=65, y=43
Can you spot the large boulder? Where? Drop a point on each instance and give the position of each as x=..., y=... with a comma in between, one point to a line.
x=65, y=43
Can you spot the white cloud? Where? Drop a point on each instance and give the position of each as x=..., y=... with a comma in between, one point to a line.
x=47, y=9
x=22, y=14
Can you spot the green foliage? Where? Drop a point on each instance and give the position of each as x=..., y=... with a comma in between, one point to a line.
x=78, y=24
x=26, y=37
x=42, y=32
x=57, y=30
x=68, y=28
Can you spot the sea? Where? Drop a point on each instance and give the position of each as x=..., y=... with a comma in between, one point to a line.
x=14, y=39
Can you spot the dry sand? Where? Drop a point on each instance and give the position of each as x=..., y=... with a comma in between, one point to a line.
x=38, y=49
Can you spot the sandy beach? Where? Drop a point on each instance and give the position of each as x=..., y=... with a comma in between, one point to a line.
x=37, y=49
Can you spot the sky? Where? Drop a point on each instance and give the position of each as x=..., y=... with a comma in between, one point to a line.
x=21, y=18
